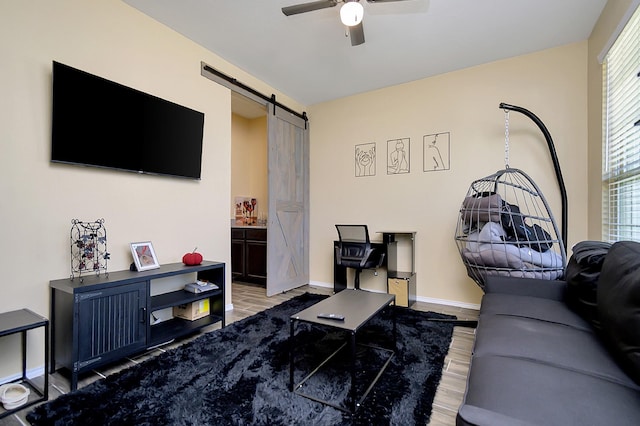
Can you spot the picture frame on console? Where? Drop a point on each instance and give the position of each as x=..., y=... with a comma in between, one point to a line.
x=144, y=256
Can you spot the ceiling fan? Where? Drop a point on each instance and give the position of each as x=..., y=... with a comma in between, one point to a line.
x=351, y=14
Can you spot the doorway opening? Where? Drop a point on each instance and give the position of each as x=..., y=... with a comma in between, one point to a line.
x=249, y=191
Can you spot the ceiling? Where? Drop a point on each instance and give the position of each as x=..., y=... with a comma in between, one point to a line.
x=309, y=58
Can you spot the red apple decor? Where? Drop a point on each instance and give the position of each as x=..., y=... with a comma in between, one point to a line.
x=192, y=259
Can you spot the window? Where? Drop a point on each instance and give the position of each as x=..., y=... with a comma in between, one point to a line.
x=621, y=136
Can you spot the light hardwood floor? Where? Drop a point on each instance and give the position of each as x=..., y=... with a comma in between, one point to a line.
x=248, y=300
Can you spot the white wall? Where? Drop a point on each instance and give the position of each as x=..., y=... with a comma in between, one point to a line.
x=551, y=84
x=249, y=174
x=39, y=199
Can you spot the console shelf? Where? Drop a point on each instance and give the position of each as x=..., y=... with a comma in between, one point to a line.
x=178, y=327
x=180, y=297
x=103, y=318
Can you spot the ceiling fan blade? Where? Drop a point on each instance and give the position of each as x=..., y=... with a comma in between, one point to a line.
x=357, y=34
x=382, y=1
x=308, y=7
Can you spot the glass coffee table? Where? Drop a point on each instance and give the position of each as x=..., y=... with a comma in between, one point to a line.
x=357, y=307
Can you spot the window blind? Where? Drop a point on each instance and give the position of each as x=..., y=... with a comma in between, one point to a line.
x=621, y=136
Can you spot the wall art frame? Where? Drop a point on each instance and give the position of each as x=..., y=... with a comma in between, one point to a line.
x=399, y=156
x=436, y=152
x=144, y=256
x=365, y=159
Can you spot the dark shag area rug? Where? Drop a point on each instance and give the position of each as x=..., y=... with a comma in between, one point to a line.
x=239, y=375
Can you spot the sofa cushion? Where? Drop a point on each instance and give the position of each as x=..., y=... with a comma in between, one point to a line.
x=548, y=343
x=619, y=304
x=532, y=307
x=541, y=394
x=532, y=287
x=582, y=274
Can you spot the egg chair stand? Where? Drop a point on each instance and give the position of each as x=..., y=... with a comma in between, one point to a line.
x=554, y=159
x=505, y=226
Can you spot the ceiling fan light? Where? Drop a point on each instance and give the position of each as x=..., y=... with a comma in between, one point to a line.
x=351, y=13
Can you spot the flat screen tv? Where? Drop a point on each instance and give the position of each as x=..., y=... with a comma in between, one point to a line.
x=100, y=123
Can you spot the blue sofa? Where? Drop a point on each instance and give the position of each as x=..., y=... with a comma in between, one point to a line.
x=537, y=362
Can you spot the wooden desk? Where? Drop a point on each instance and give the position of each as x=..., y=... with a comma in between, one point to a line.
x=401, y=281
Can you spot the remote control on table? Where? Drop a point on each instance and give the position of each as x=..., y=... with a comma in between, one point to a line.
x=336, y=317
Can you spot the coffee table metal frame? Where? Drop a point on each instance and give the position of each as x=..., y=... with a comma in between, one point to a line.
x=358, y=308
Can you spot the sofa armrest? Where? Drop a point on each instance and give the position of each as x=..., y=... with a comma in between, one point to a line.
x=545, y=289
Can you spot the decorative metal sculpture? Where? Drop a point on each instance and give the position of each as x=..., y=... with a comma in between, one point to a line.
x=88, y=248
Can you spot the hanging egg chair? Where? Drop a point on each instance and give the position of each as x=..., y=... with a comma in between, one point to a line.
x=505, y=226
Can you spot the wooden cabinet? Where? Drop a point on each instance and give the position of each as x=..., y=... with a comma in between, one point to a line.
x=103, y=318
x=249, y=255
x=237, y=254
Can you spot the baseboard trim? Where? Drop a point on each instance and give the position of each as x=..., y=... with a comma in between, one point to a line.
x=32, y=373
x=320, y=284
x=446, y=302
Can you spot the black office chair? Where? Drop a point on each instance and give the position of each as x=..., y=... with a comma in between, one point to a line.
x=354, y=250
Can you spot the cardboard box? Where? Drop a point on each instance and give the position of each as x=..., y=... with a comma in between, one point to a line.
x=404, y=288
x=399, y=287
x=192, y=311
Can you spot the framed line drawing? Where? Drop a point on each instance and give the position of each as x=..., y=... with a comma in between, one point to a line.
x=144, y=256
x=365, y=159
x=398, y=156
x=437, y=152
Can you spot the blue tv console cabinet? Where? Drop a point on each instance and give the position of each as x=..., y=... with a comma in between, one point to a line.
x=103, y=318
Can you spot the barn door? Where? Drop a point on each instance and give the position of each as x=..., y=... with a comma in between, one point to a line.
x=288, y=236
